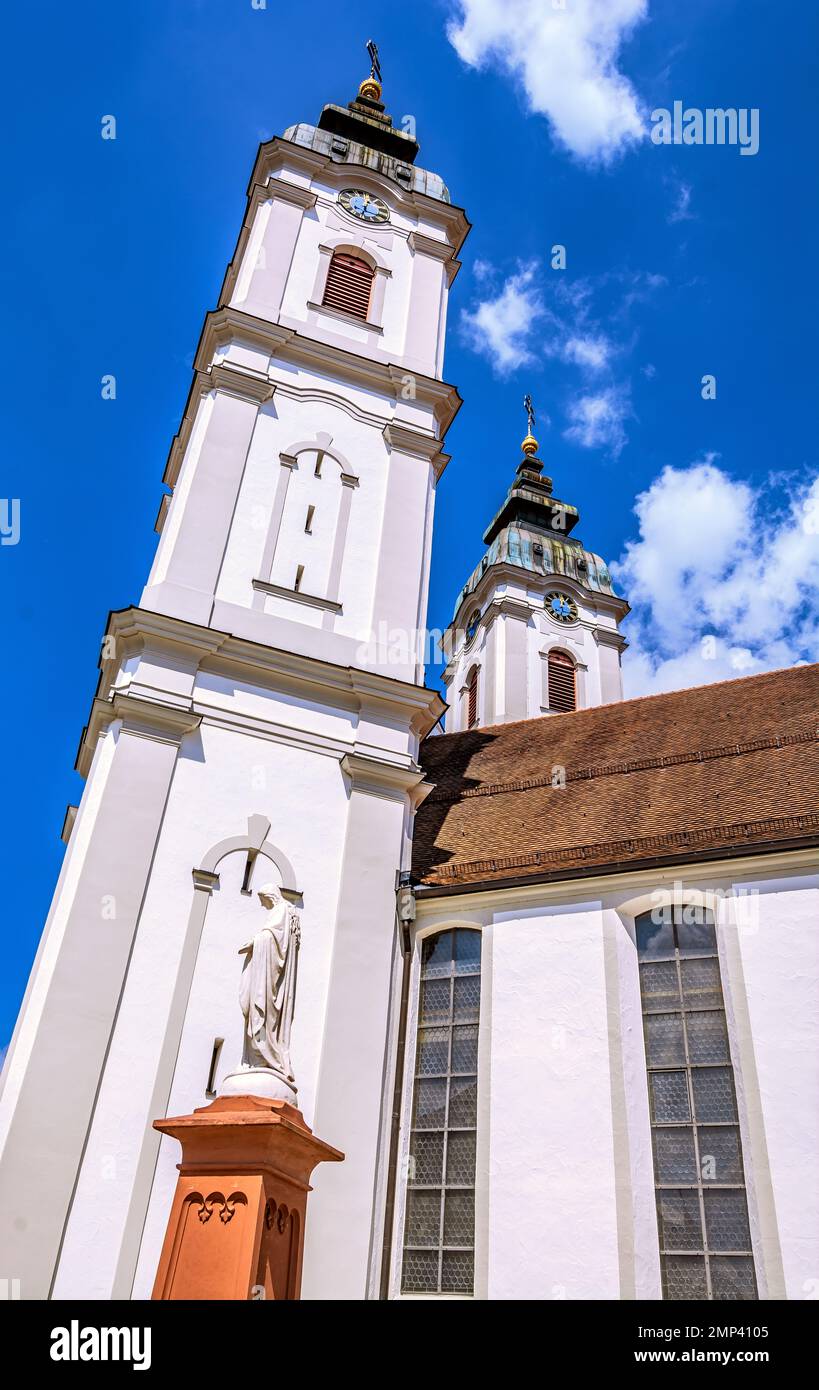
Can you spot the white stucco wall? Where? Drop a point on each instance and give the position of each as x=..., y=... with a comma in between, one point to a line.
x=553, y=1231
x=775, y=997
x=568, y=1210
x=260, y=750
x=215, y=788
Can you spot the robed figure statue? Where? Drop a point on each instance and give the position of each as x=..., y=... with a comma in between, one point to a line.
x=268, y=988
x=267, y=996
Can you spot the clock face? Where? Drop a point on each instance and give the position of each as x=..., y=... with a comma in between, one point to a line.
x=562, y=608
x=364, y=205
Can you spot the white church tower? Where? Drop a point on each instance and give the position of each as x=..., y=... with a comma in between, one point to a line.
x=250, y=725
x=536, y=629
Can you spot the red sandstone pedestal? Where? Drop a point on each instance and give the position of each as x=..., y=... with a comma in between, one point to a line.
x=236, y=1228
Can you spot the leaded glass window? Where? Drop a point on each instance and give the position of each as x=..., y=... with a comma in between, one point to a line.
x=702, y=1209
x=439, y=1225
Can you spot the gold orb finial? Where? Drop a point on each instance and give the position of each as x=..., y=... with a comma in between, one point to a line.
x=370, y=89
x=530, y=445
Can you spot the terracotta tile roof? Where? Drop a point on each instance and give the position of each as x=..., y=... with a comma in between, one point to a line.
x=720, y=768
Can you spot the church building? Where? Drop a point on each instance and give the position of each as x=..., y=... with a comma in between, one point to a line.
x=556, y=997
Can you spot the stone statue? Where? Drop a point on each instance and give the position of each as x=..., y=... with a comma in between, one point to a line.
x=267, y=996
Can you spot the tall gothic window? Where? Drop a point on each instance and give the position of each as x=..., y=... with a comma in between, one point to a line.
x=439, y=1227
x=349, y=284
x=562, y=690
x=702, y=1210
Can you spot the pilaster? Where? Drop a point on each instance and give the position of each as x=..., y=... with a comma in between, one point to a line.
x=188, y=566
x=77, y=984
x=276, y=213
x=351, y=1077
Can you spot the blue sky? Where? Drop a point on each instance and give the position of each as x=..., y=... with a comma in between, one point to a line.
x=681, y=261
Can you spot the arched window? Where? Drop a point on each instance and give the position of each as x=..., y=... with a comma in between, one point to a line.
x=349, y=285
x=562, y=684
x=439, y=1224
x=702, y=1210
x=472, y=698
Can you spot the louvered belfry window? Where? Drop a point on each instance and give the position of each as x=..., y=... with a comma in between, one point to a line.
x=472, y=699
x=562, y=693
x=349, y=283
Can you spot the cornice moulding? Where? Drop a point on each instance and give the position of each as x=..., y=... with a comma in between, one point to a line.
x=666, y=856
x=271, y=730
x=503, y=570
x=228, y=324
x=614, y=882
x=438, y=250
x=146, y=718
x=510, y=607
x=286, y=192
x=381, y=778
x=237, y=381
x=314, y=393
x=430, y=246
x=409, y=441
x=606, y=637
x=135, y=629
x=68, y=823
x=162, y=514
x=429, y=705
x=278, y=154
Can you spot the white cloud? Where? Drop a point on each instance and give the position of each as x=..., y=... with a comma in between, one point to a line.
x=482, y=270
x=505, y=325
x=723, y=581
x=536, y=315
x=592, y=352
x=500, y=327
x=681, y=211
x=566, y=59
x=598, y=419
